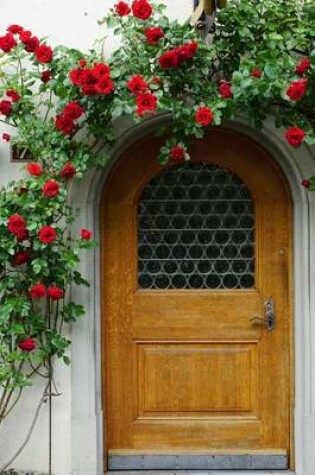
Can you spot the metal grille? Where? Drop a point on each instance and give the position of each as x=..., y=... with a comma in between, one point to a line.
x=196, y=230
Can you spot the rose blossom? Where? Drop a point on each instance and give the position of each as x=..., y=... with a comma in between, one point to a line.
x=21, y=257
x=44, y=54
x=28, y=344
x=30, y=42
x=306, y=183
x=73, y=110
x=145, y=103
x=34, y=169
x=204, y=116
x=68, y=170
x=15, y=29
x=7, y=42
x=105, y=86
x=303, y=66
x=16, y=224
x=177, y=153
x=13, y=95
x=85, y=234
x=47, y=234
x=82, y=63
x=295, y=136
x=297, y=89
x=37, y=291
x=122, y=8
x=100, y=71
x=168, y=60
x=256, y=73
x=76, y=76
x=5, y=107
x=55, y=293
x=22, y=235
x=153, y=35
x=51, y=188
x=6, y=137
x=141, y=9
x=137, y=85
x=225, y=90
x=45, y=76
x=65, y=124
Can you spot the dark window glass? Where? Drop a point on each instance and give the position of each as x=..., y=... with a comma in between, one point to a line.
x=196, y=230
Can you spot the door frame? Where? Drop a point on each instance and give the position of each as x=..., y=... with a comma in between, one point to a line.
x=87, y=415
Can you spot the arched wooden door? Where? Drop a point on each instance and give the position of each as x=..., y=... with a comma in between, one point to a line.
x=196, y=271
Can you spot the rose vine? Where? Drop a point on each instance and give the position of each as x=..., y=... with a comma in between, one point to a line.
x=59, y=105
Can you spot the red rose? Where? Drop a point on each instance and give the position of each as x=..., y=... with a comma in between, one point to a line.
x=73, y=110
x=225, y=90
x=204, y=116
x=141, y=9
x=256, y=73
x=6, y=137
x=21, y=257
x=137, y=85
x=37, y=291
x=295, y=136
x=22, y=235
x=82, y=63
x=146, y=102
x=34, y=169
x=191, y=49
x=303, y=66
x=88, y=90
x=16, y=224
x=55, y=293
x=30, y=42
x=44, y=54
x=153, y=35
x=76, y=76
x=101, y=71
x=177, y=153
x=45, y=76
x=182, y=54
x=7, y=42
x=5, y=107
x=122, y=8
x=306, y=183
x=28, y=344
x=13, y=95
x=65, y=124
x=51, y=188
x=15, y=29
x=85, y=234
x=297, y=89
x=90, y=76
x=105, y=86
x=47, y=234
x=168, y=60
x=68, y=170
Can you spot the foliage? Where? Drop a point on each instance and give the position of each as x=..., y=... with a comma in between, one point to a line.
x=259, y=62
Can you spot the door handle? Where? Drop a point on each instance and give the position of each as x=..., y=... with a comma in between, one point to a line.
x=269, y=319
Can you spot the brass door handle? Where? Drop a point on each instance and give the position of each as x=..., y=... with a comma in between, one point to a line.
x=269, y=319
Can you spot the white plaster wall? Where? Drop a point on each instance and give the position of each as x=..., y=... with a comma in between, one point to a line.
x=72, y=23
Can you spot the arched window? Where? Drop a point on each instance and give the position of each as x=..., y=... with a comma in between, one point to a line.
x=196, y=230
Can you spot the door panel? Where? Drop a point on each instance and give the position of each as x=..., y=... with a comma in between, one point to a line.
x=186, y=368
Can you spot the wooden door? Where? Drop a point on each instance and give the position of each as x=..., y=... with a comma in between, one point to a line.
x=196, y=258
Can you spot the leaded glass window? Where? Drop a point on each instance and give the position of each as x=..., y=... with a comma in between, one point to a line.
x=196, y=230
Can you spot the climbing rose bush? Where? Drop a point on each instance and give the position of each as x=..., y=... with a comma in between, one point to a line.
x=59, y=105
